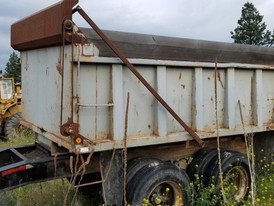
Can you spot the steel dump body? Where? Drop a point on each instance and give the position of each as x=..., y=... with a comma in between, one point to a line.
x=87, y=84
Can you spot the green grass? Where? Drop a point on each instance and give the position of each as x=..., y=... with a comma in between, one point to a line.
x=50, y=193
x=265, y=183
x=264, y=196
x=25, y=138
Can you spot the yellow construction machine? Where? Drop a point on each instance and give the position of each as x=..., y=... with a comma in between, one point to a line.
x=10, y=107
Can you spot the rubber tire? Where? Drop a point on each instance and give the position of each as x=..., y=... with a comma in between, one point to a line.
x=201, y=161
x=136, y=164
x=11, y=126
x=152, y=175
x=229, y=160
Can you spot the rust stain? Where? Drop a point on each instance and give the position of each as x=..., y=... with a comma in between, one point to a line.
x=101, y=141
x=103, y=136
x=220, y=80
x=183, y=86
x=271, y=127
x=59, y=67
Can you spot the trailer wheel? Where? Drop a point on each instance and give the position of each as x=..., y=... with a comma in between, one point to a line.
x=236, y=176
x=11, y=128
x=201, y=161
x=159, y=184
x=136, y=164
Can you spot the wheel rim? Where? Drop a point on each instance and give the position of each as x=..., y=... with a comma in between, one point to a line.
x=166, y=193
x=237, y=183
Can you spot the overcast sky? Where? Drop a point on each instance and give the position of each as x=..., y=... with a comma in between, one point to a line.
x=195, y=19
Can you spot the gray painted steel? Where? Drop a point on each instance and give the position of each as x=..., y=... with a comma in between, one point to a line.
x=96, y=84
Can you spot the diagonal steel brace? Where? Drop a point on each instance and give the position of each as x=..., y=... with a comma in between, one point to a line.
x=138, y=75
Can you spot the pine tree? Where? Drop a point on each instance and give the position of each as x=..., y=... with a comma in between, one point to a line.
x=251, y=29
x=13, y=68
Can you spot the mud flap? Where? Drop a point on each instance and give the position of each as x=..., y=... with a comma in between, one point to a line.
x=113, y=185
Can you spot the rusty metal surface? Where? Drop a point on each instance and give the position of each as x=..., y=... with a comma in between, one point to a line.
x=119, y=53
x=181, y=49
x=70, y=128
x=43, y=28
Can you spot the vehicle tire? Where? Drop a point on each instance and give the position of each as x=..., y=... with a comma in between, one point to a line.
x=159, y=184
x=236, y=175
x=11, y=128
x=201, y=161
x=136, y=164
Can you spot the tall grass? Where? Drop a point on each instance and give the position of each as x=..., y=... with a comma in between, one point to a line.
x=202, y=195
x=50, y=193
x=265, y=182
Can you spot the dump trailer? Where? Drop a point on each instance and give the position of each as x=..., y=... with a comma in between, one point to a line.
x=137, y=116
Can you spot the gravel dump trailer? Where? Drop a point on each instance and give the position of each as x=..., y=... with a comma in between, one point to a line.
x=136, y=115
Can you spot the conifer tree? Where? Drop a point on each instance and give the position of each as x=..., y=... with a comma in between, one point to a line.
x=13, y=68
x=251, y=29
